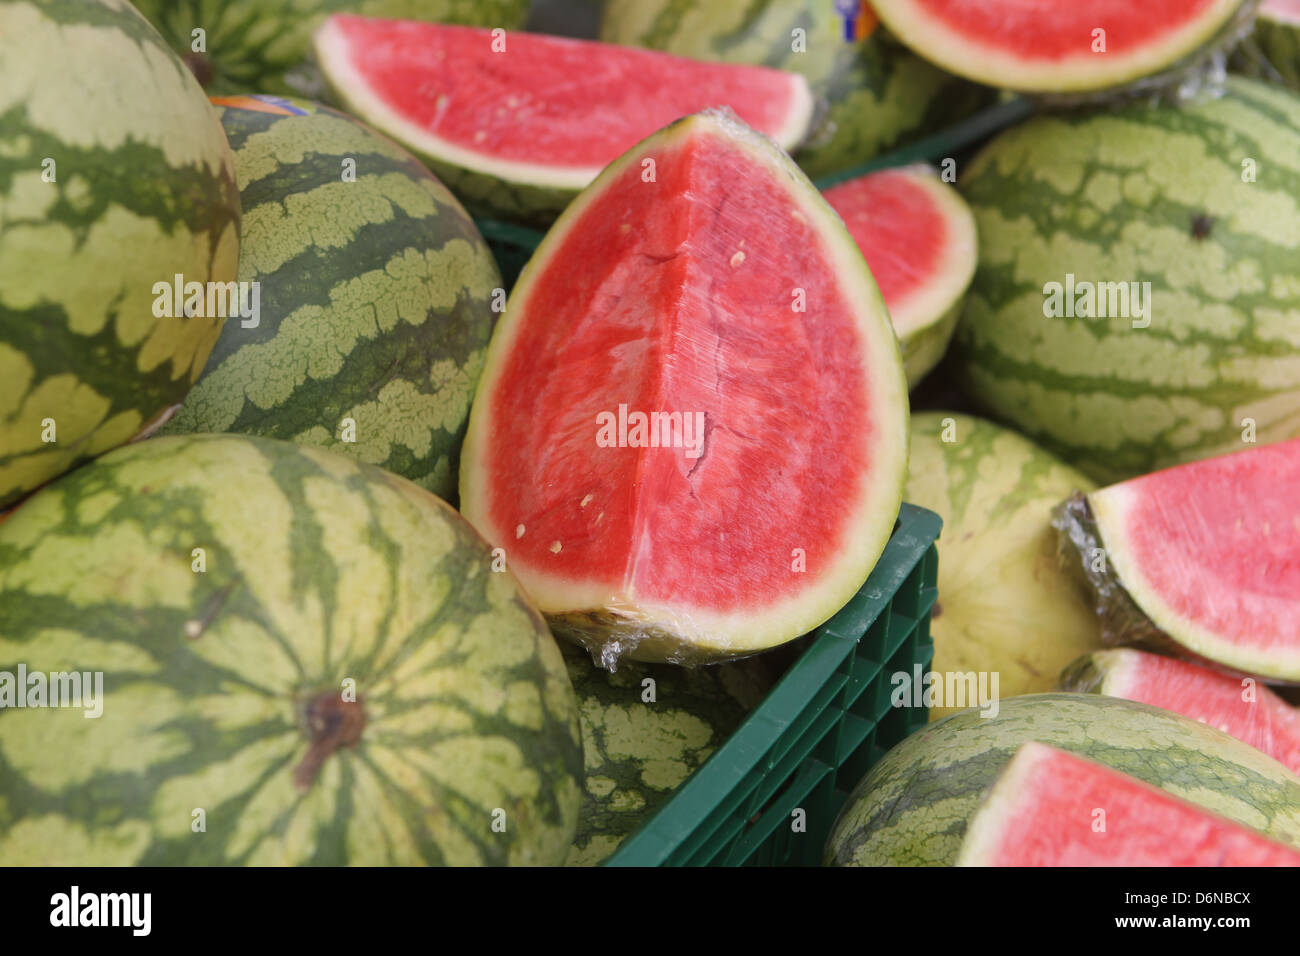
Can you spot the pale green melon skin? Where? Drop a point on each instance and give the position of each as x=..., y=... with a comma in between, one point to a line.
x=913, y=806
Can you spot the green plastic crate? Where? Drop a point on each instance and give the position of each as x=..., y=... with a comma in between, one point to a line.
x=817, y=732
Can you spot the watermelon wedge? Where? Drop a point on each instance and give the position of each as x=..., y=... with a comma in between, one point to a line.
x=1250, y=712
x=1055, y=46
x=516, y=124
x=690, y=435
x=918, y=236
x=1203, y=559
x=1052, y=808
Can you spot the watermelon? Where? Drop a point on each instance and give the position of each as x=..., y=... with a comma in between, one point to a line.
x=725, y=299
x=115, y=176
x=645, y=729
x=912, y=808
x=376, y=297
x=1274, y=52
x=263, y=45
x=1241, y=707
x=1184, y=223
x=877, y=93
x=1052, y=808
x=1052, y=46
x=305, y=660
x=1006, y=605
x=918, y=237
x=1204, y=558
x=501, y=120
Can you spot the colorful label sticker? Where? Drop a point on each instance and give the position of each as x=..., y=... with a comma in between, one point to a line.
x=260, y=103
x=858, y=17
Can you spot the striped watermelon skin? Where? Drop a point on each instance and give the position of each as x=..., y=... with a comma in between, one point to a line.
x=879, y=94
x=217, y=682
x=1277, y=40
x=913, y=806
x=1006, y=604
x=143, y=188
x=261, y=46
x=375, y=298
x=637, y=752
x=1141, y=194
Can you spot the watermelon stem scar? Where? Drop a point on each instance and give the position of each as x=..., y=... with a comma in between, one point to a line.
x=330, y=723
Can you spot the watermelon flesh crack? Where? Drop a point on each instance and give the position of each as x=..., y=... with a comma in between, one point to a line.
x=918, y=236
x=1203, y=558
x=1250, y=712
x=528, y=110
x=726, y=292
x=1053, y=808
x=1055, y=46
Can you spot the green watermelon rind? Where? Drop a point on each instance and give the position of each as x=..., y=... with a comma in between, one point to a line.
x=706, y=638
x=316, y=569
x=1277, y=40
x=1094, y=193
x=144, y=188
x=913, y=807
x=527, y=193
x=375, y=299
x=1088, y=71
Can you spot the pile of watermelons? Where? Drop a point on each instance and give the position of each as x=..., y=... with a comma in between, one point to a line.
x=327, y=535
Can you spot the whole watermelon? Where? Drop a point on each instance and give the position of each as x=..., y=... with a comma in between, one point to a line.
x=645, y=729
x=1203, y=203
x=262, y=45
x=304, y=660
x=375, y=297
x=877, y=92
x=911, y=809
x=114, y=176
x=1006, y=604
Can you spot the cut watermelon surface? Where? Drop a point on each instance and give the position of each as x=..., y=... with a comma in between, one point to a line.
x=518, y=123
x=918, y=236
x=1052, y=808
x=724, y=298
x=1054, y=45
x=1250, y=712
x=1210, y=552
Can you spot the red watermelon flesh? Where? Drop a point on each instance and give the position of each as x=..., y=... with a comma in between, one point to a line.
x=545, y=110
x=1052, y=808
x=1238, y=706
x=1210, y=552
x=1053, y=45
x=918, y=236
x=722, y=289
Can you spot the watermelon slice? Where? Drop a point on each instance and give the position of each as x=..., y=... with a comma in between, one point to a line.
x=1203, y=559
x=918, y=237
x=1250, y=712
x=702, y=280
x=517, y=123
x=1055, y=46
x=1052, y=808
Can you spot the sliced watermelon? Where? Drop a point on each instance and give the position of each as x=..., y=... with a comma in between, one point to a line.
x=1052, y=808
x=1054, y=45
x=1250, y=712
x=1203, y=558
x=517, y=123
x=918, y=237
x=700, y=276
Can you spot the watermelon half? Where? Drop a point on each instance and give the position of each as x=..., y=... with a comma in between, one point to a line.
x=918, y=237
x=1247, y=710
x=516, y=124
x=724, y=291
x=1052, y=808
x=1206, y=555
x=1055, y=45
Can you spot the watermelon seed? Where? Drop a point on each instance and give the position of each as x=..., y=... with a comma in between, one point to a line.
x=1202, y=223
